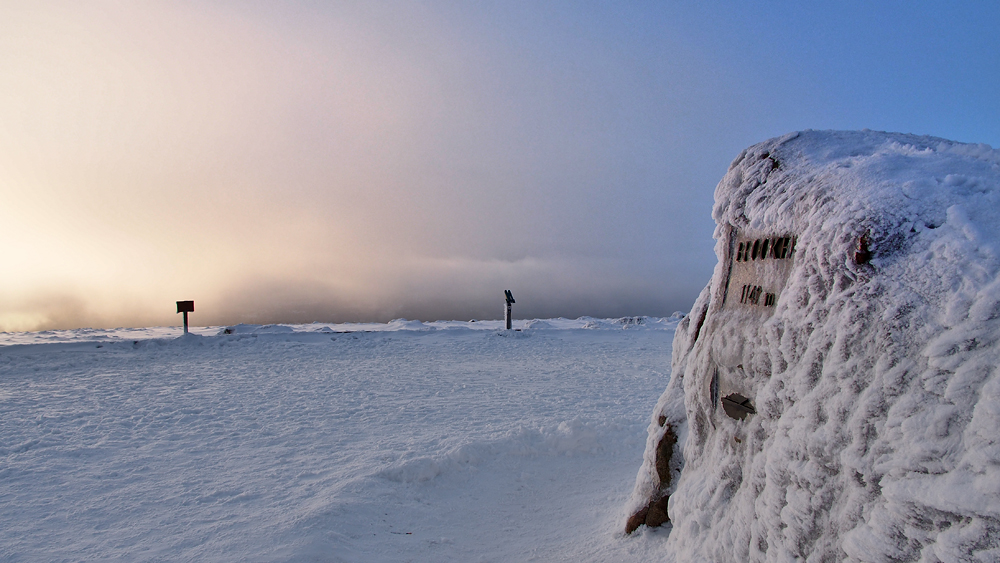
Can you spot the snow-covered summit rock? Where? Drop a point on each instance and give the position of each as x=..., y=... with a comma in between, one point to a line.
x=835, y=391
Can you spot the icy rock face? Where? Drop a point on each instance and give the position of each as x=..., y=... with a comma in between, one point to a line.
x=835, y=391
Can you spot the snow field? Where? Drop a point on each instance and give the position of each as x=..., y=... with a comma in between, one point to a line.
x=414, y=442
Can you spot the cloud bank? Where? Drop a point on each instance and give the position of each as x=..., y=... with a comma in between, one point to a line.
x=364, y=161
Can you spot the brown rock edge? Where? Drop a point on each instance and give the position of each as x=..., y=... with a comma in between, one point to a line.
x=655, y=512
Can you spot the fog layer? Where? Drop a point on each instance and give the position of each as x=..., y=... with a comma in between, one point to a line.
x=337, y=162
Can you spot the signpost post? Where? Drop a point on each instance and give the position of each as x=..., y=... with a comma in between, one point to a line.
x=509, y=299
x=187, y=307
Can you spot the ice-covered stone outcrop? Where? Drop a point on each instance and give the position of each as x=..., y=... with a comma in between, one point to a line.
x=835, y=391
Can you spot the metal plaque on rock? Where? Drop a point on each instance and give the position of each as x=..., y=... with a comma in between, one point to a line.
x=759, y=266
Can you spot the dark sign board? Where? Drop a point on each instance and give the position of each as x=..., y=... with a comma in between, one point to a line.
x=185, y=306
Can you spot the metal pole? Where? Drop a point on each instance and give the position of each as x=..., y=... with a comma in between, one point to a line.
x=508, y=298
x=185, y=322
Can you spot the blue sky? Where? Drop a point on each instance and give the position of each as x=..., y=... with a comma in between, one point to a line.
x=338, y=161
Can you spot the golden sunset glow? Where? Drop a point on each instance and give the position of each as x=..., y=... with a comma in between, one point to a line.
x=298, y=162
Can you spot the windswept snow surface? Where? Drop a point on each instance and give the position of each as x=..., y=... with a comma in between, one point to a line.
x=406, y=441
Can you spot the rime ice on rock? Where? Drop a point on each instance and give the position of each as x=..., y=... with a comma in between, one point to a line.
x=834, y=392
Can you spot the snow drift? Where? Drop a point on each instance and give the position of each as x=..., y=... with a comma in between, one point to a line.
x=835, y=391
x=361, y=442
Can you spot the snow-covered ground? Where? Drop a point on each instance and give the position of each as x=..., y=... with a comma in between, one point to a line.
x=406, y=441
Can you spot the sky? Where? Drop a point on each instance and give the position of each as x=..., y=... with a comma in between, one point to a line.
x=304, y=161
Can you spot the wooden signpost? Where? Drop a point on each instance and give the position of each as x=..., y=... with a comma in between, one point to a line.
x=185, y=307
x=509, y=299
